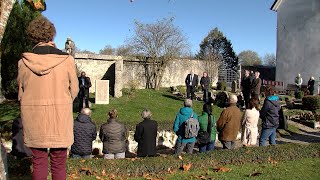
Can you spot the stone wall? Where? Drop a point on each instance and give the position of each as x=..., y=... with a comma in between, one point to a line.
x=298, y=30
x=174, y=75
x=122, y=71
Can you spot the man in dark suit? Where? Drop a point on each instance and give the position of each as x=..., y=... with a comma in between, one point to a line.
x=256, y=86
x=191, y=83
x=84, y=85
x=246, y=85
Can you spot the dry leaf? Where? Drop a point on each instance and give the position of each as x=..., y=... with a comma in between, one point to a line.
x=83, y=160
x=222, y=169
x=202, y=177
x=255, y=174
x=272, y=161
x=103, y=173
x=97, y=177
x=87, y=171
x=171, y=171
x=180, y=157
x=186, y=167
x=112, y=176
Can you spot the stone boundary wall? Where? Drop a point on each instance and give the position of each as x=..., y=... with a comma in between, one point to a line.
x=174, y=74
x=121, y=71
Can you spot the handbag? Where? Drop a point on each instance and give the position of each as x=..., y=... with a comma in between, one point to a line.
x=204, y=137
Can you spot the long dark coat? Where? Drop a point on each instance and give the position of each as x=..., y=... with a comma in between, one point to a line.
x=145, y=135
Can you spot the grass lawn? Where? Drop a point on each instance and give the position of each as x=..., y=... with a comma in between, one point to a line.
x=297, y=169
x=162, y=104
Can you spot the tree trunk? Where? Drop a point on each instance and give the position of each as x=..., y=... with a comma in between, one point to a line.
x=5, y=9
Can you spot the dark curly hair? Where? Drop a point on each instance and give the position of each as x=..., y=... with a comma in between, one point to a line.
x=41, y=30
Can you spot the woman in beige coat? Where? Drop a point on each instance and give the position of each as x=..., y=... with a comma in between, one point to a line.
x=250, y=124
x=48, y=85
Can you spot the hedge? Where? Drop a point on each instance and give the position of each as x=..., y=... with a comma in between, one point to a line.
x=311, y=102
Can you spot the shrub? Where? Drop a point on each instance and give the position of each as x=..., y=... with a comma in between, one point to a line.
x=298, y=94
x=221, y=86
x=221, y=99
x=311, y=102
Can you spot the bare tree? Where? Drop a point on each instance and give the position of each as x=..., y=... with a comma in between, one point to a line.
x=270, y=59
x=249, y=58
x=124, y=50
x=158, y=44
x=107, y=50
x=213, y=61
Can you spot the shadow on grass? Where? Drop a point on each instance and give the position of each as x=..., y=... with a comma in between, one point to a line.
x=305, y=136
x=173, y=97
x=19, y=168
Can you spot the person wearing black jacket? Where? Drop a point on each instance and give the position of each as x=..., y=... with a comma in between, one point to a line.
x=256, y=86
x=269, y=115
x=205, y=85
x=245, y=85
x=84, y=85
x=146, y=134
x=311, y=85
x=84, y=133
x=19, y=149
x=191, y=84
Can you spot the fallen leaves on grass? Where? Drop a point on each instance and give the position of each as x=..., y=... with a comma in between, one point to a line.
x=186, y=167
x=103, y=173
x=87, y=171
x=202, y=177
x=221, y=169
x=171, y=171
x=180, y=157
x=272, y=161
x=255, y=174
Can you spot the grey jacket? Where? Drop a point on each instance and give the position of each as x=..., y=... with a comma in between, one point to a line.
x=113, y=136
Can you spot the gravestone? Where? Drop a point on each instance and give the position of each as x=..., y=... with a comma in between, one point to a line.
x=102, y=92
x=234, y=86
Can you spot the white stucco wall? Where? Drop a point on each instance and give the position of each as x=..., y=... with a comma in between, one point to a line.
x=298, y=40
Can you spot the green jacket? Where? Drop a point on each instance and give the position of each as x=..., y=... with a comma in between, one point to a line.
x=203, y=121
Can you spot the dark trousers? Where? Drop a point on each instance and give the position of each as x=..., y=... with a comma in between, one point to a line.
x=205, y=95
x=58, y=157
x=190, y=92
x=228, y=144
x=246, y=98
x=86, y=101
x=311, y=91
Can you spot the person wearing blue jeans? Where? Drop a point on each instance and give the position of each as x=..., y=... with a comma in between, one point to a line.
x=270, y=117
x=268, y=134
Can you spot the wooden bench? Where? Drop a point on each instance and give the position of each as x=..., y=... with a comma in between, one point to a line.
x=292, y=88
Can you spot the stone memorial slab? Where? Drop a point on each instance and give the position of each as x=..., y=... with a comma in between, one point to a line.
x=102, y=92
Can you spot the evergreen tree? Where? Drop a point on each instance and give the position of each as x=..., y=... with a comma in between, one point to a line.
x=14, y=43
x=217, y=44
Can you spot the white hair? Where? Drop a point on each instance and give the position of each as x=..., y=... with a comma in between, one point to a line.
x=233, y=99
x=146, y=114
x=188, y=103
x=86, y=111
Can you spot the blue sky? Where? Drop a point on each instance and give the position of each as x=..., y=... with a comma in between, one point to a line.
x=248, y=24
